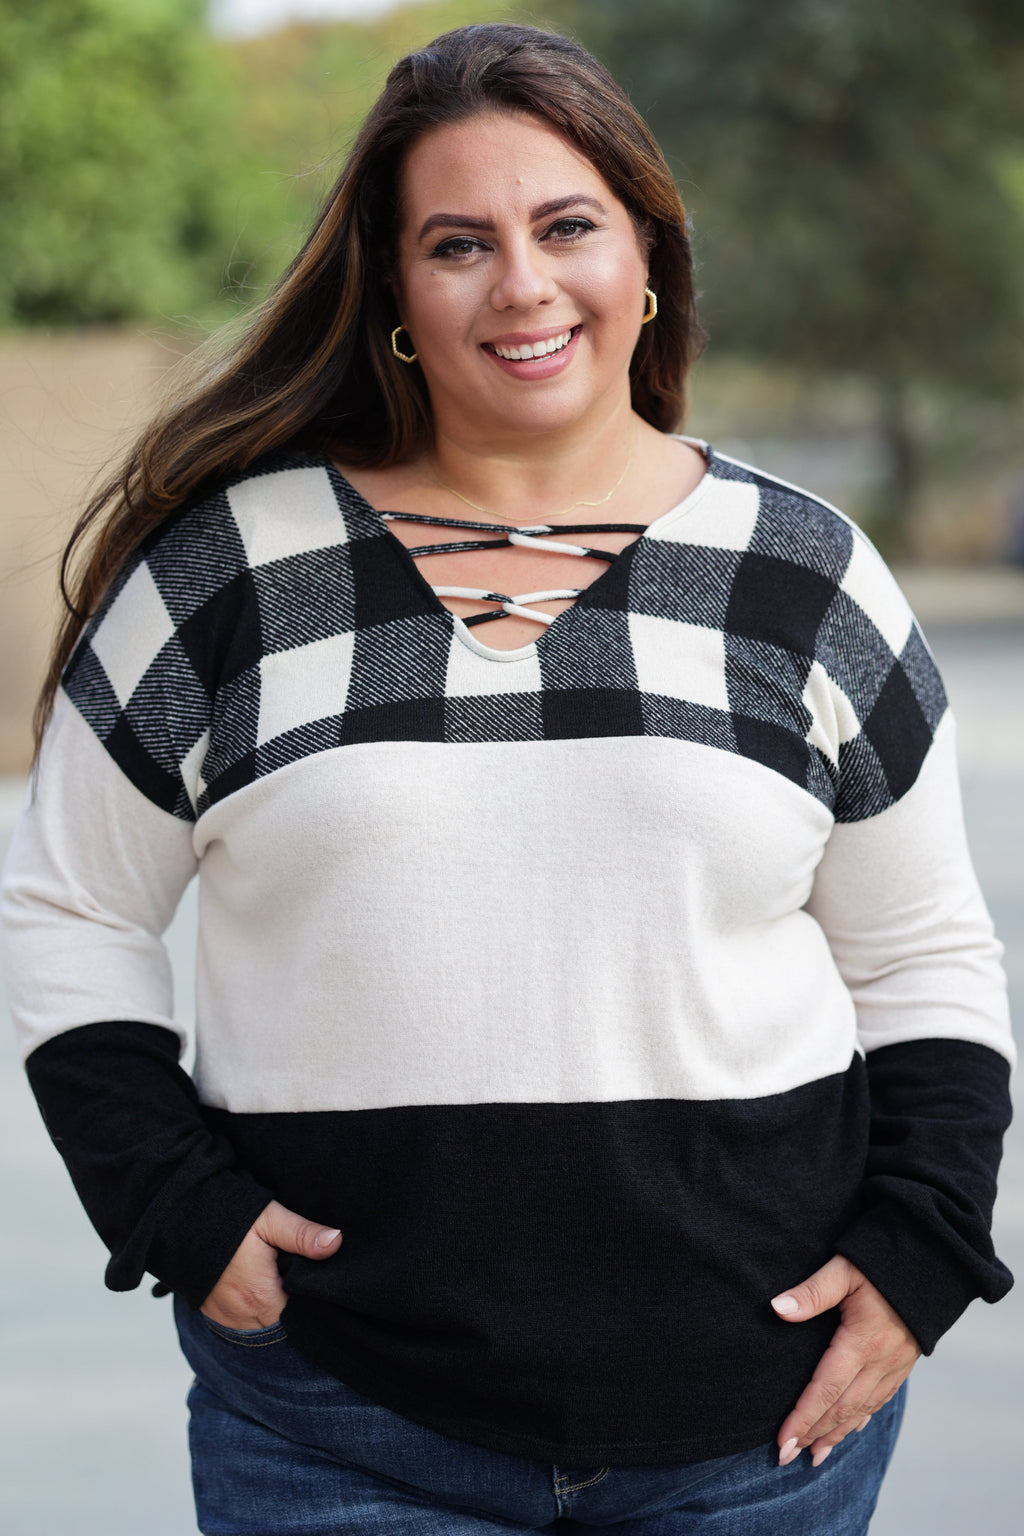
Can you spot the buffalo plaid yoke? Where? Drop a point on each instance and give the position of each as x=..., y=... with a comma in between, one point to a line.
x=280, y=618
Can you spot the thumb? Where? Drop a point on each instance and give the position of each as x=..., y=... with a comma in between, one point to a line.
x=283, y=1229
x=826, y=1288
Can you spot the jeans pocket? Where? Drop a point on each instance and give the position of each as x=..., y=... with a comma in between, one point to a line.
x=248, y=1338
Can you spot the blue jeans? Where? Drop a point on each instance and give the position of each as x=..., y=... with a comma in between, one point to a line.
x=280, y=1448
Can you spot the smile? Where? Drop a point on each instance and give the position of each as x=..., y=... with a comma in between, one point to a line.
x=530, y=350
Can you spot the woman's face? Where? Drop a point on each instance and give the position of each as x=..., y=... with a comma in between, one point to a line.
x=510, y=238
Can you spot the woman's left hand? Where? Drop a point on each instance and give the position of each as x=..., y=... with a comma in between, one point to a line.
x=871, y=1355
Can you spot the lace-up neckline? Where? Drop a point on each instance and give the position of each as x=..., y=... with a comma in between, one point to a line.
x=531, y=536
x=539, y=536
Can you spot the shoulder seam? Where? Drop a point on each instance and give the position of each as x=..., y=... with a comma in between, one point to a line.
x=788, y=485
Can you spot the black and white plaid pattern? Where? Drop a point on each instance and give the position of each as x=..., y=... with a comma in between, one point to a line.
x=281, y=618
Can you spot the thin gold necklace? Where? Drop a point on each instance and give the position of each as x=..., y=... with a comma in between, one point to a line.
x=561, y=513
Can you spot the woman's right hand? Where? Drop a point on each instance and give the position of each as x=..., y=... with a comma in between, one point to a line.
x=249, y=1293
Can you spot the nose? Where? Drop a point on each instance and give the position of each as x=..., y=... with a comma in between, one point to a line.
x=523, y=279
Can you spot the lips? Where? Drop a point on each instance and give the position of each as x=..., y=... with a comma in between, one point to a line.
x=526, y=350
x=524, y=346
x=527, y=355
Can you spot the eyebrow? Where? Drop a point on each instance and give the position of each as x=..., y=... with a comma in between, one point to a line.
x=542, y=211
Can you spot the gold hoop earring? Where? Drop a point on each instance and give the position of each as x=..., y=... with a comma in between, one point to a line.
x=652, y=306
x=403, y=357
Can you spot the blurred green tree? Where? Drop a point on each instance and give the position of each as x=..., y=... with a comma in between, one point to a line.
x=150, y=170
x=115, y=192
x=854, y=171
x=300, y=95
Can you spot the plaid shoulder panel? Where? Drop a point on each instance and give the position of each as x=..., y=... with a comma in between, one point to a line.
x=813, y=600
x=180, y=622
x=888, y=697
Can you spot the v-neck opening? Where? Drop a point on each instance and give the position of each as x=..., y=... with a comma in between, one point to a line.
x=529, y=651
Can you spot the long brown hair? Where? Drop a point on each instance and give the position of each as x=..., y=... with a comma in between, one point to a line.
x=314, y=368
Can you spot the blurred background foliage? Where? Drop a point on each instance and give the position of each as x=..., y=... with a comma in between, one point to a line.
x=854, y=171
x=855, y=174
x=115, y=189
x=150, y=170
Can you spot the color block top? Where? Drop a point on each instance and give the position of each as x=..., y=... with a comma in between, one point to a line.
x=597, y=989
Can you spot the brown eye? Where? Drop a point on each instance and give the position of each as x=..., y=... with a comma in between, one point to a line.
x=458, y=245
x=570, y=229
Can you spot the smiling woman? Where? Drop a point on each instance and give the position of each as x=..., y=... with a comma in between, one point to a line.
x=533, y=284
x=602, y=1052
x=524, y=310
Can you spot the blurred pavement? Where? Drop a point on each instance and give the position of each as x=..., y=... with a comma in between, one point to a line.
x=92, y=1421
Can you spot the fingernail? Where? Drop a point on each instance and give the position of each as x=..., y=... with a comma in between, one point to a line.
x=786, y=1305
x=819, y=1456
x=789, y=1451
x=326, y=1237
x=863, y=1424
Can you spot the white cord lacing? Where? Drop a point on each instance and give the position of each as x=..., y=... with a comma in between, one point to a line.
x=531, y=537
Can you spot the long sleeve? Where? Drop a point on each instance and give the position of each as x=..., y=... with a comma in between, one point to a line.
x=95, y=871
x=896, y=896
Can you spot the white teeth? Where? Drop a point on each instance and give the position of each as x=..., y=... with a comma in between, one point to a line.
x=537, y=349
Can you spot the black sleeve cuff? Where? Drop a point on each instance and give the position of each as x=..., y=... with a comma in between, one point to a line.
x=917, y=1274
x=939, y=1109
x=162, y=1189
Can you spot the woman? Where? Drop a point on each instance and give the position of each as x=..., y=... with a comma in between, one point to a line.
x=602, y=1049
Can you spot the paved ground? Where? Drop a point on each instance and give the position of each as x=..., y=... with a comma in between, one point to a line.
x=92, y=1424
